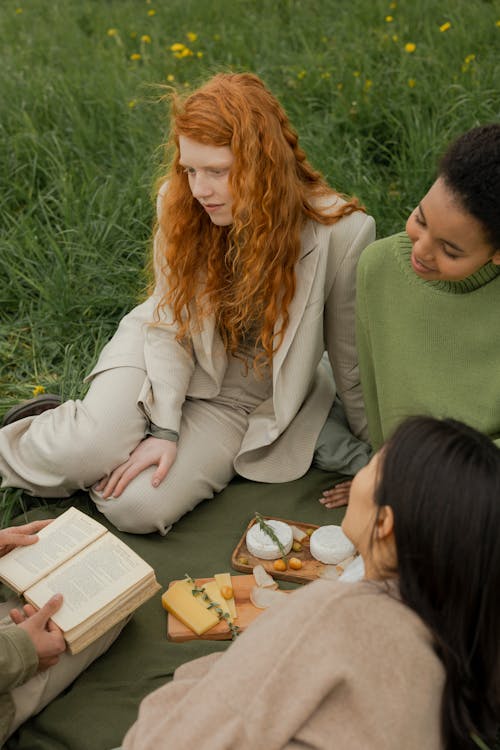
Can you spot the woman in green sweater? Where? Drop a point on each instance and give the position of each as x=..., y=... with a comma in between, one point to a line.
x=428, y=302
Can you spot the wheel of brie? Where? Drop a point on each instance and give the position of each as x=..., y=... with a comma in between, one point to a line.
x=330, y=545
x=261, y=545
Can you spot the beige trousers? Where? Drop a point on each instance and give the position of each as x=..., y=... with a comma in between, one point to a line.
x=75, y=445
x=37, y=693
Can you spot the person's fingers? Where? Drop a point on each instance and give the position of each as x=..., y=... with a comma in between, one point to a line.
x=50, y=608
x=11, y=539
x=16, y=616
x=336, y=503
x=52, y=627
x=29, y=610
x=162, y=470
x=133, y=471
x=35, y=526
x=101, y=484
x=113, y=479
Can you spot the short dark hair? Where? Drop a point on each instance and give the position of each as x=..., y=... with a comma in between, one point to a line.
x=471, y=170
x=442, y=480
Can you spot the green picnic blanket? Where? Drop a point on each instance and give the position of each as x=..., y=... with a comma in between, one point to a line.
x=96, y=711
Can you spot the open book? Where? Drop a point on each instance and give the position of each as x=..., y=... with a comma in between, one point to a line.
x=101, y=579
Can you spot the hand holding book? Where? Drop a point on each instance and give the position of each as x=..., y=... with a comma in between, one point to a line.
x=20, y=536
x=101, y=579
x=47, y=638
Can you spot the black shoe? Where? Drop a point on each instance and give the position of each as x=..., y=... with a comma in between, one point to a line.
x=31, y=408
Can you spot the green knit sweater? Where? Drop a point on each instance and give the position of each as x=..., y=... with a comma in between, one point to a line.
x=426, y=347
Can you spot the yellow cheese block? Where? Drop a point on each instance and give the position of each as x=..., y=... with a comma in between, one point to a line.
x=189, y=609
x=224, y=579
x=215, y=595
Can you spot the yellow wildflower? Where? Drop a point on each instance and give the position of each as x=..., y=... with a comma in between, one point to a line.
x=326, y=75
x=301, y=74
x=132, y=103
x=389, y=19
x=19, y=10
x=395, y=38
x=199, y=54
x=356, y=73
x=38, y=390
x=146, y=39
x=112, y=32
x=177, y=47
x=340, y=86
x=152, y=12
x=368, y=84
x=467, y=61
x=170, y=77
x=445, y=26
x=410, y=47
x=135, y=56
x=192, y=36
x=185, y=52
x=392, y=6
x=497, y=23
x=412, y=83
x=216, y=37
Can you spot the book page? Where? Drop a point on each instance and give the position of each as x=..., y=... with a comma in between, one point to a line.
x=57, y=542
x=99, y=574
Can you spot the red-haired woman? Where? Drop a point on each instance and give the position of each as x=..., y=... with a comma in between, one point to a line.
x=220, y=370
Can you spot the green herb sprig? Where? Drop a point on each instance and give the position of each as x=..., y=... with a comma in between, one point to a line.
x=271, y=533
x=201, y=592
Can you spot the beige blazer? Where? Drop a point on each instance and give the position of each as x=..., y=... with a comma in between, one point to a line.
x=282, y=432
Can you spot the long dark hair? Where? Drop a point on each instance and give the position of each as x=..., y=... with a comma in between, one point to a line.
x=442, y=480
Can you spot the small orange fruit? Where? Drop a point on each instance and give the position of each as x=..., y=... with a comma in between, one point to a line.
x=227, y=592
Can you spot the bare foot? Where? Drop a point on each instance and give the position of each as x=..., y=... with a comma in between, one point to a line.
x=336, y=496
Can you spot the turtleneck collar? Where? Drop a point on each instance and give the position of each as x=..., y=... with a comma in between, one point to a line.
x=480, y=278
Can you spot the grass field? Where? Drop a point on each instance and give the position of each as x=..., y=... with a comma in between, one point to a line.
x=375, y=88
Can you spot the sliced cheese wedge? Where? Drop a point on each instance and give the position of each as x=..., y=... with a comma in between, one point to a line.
x=224, y=579
x=215, y=595
x=190, y=610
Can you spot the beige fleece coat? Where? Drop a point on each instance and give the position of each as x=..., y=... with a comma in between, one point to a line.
x=341, y=666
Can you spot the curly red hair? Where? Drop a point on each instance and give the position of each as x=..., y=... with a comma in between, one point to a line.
x=244, y=274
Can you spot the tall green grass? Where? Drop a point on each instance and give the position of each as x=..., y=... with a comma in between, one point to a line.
x=81, y=132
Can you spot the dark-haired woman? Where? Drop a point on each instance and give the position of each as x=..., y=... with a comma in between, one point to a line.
x=428, y=301
x=407, y=658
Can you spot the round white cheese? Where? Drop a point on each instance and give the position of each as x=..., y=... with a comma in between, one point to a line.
x=261, y=545
x=330, y=545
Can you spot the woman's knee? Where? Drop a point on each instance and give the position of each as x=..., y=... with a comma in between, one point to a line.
x=145, y=509
x=77, y=445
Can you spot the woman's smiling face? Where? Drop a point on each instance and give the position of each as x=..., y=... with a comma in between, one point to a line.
x=449, y=244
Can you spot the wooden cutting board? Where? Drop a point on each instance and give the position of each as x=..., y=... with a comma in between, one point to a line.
x=311, y=568
x=242, y=586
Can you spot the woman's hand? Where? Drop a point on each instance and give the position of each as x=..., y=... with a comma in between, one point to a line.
x=20, y=536
x=46, y=636
x=337, y=496
x=150, y=452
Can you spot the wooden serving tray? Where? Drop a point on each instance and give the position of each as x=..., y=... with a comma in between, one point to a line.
x=242, y=586
x=311, y=568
